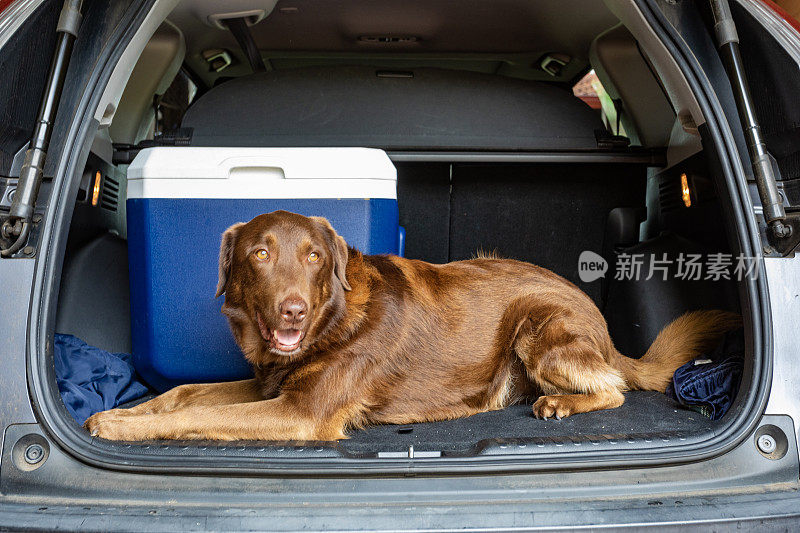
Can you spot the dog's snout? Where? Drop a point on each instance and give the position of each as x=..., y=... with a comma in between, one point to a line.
x=294, y=309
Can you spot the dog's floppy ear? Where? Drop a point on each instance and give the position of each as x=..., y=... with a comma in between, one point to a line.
x=226, y=256
x=338, y=248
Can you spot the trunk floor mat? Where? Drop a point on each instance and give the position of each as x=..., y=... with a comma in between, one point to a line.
x=644, y=415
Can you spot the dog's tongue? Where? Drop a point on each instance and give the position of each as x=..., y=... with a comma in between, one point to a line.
x=288, y=337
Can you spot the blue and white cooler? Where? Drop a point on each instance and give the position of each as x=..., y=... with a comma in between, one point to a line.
x=181, y=199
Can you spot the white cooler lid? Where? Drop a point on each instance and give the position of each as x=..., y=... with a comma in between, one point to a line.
x=200, y=172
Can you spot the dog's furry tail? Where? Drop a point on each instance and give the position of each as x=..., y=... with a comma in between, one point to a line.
x=685, y=338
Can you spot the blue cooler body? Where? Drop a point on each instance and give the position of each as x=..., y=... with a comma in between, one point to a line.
x=181, y=199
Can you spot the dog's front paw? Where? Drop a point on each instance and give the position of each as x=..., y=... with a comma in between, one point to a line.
x=114, y=424
x=548, y=406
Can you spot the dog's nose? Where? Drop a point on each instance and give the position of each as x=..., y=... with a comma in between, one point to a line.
x=293, y=309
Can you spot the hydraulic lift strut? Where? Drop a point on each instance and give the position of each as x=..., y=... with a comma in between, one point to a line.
x=783, y=231
x=16, y=227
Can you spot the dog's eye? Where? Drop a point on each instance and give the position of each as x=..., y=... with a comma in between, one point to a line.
x=262, y=254
x=313, y=257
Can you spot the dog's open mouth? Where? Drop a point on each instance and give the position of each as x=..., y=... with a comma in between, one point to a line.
x=284, y=340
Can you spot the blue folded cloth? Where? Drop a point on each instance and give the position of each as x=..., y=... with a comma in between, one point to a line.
x=709, y=383
x=92, y=380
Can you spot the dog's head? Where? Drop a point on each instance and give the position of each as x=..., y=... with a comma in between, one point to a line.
x=283, y=276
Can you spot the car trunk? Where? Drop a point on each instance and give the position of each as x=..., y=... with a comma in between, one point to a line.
x=542, y=212
x=543, y=183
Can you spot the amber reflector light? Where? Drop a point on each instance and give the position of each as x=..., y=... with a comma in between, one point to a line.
x=687, y=197
x=96, y=188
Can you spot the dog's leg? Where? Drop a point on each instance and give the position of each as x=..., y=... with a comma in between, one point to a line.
x=569, y=369
x=276, y=419
x=195, y=395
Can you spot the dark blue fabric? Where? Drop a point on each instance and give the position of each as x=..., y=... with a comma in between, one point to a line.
x=711, y=387
x=92, y=380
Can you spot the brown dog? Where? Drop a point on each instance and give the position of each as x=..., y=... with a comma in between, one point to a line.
x=341, y=340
